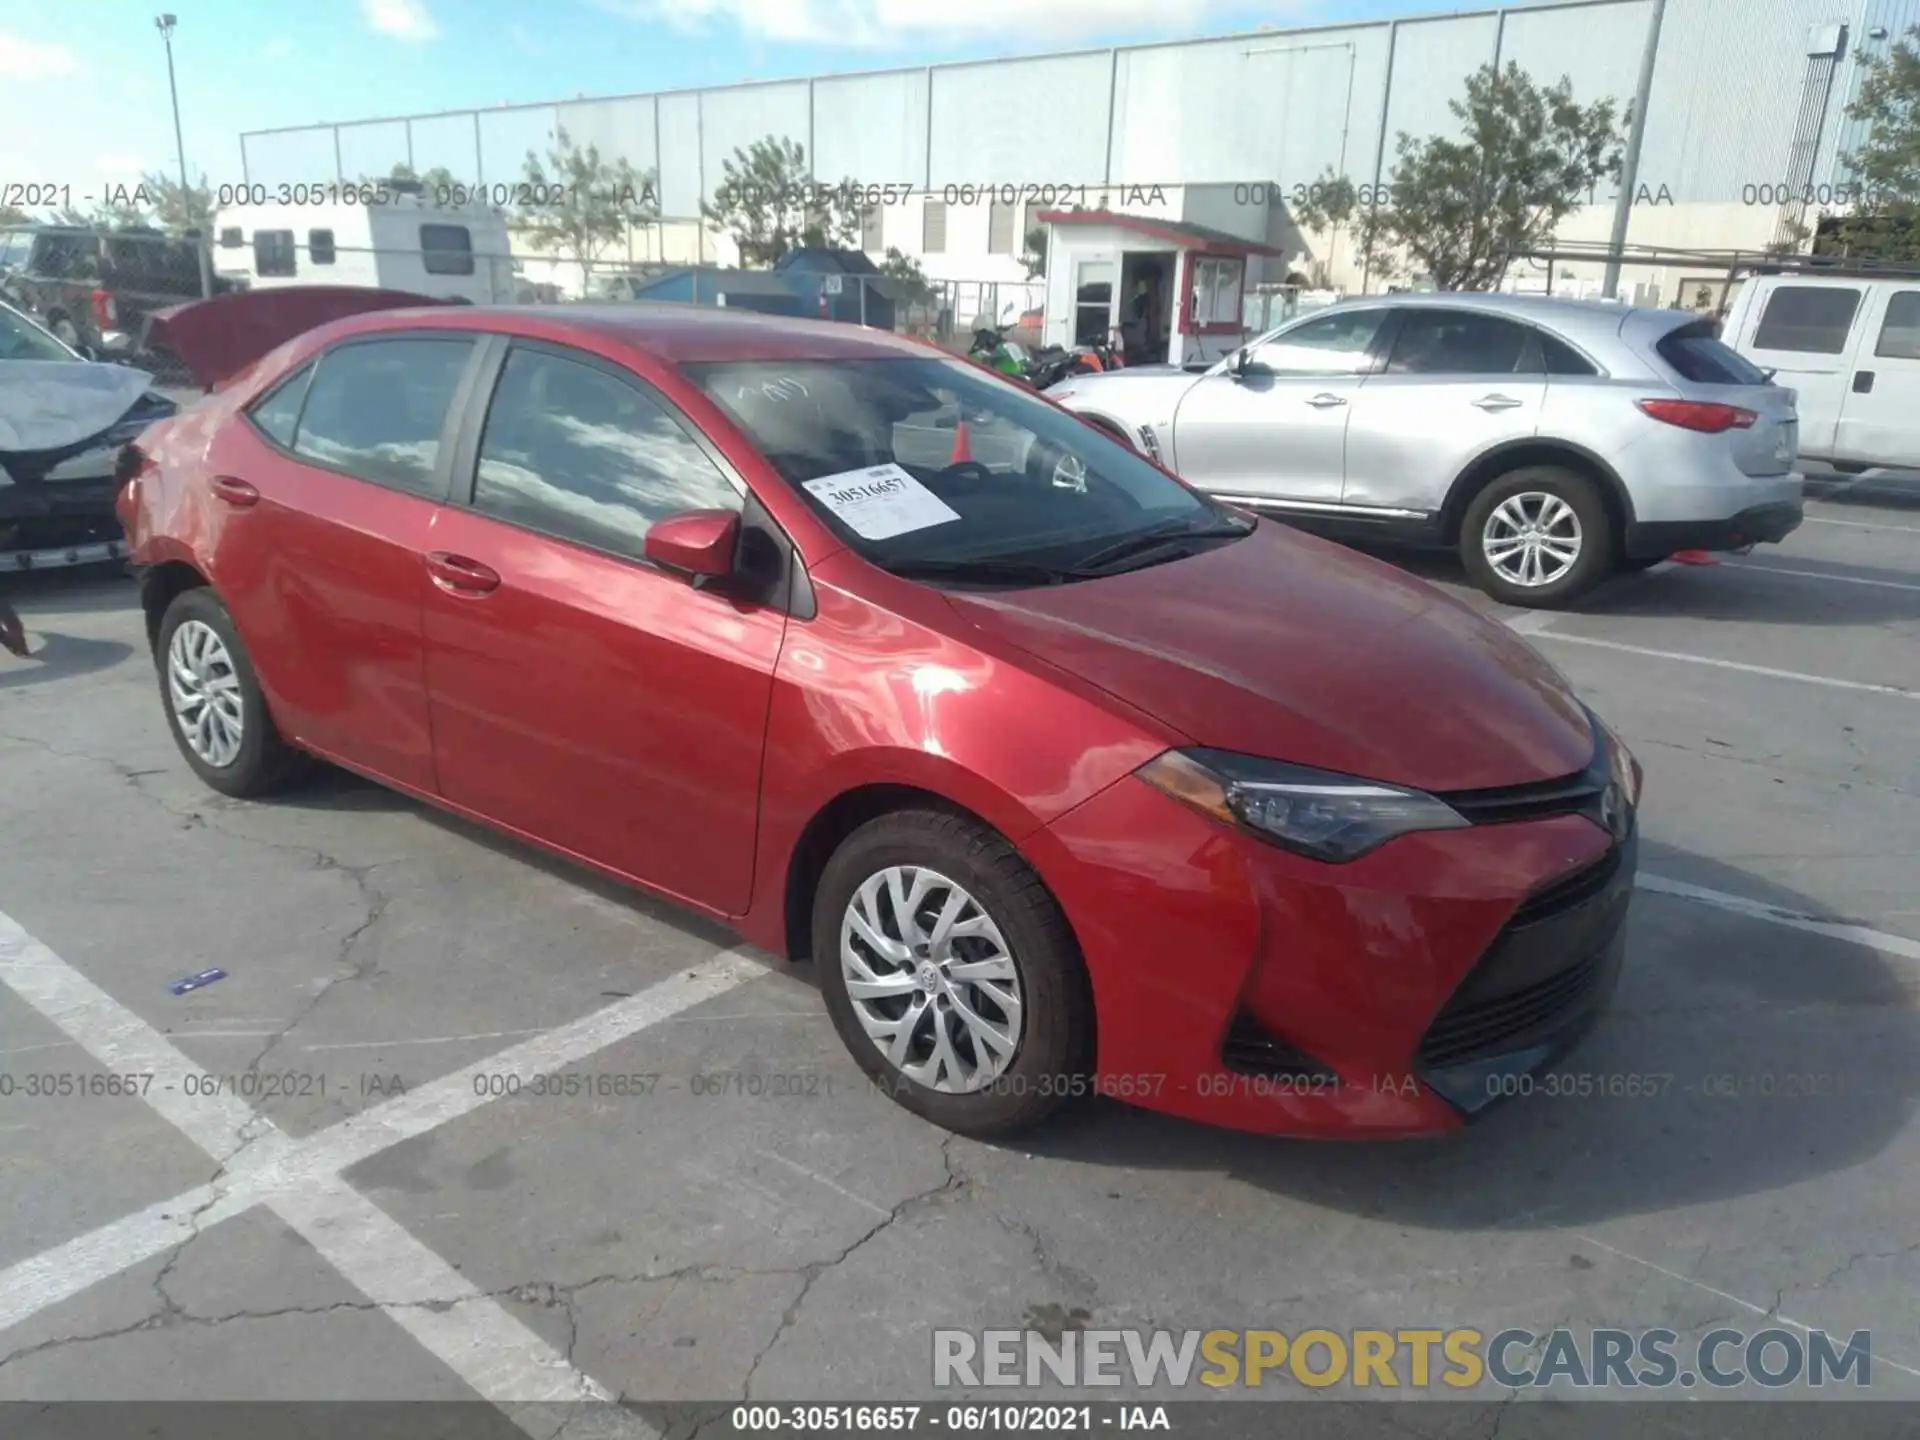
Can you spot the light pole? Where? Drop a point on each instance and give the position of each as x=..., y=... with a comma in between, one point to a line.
x=164, y=24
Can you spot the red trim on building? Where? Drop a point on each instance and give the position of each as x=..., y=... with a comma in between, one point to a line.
x=1171, y=231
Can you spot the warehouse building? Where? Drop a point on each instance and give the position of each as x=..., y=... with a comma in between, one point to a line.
x=1744, y=132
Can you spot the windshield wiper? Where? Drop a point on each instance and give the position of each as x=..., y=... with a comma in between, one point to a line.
x=1155, y=537
x=1016, y=572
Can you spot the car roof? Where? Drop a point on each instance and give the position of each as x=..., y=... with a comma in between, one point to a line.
x=1594, y=318
x=675, y=334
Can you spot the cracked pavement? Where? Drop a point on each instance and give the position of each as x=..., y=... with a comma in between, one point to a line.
x=681, y=1246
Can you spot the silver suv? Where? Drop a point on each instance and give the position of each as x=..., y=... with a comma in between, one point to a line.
x=1553, y=441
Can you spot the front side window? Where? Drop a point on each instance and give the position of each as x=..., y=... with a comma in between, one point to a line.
x=1458, y=342
x=273, y=253
x=921, y=463
x=1813, y=319
x=577, y=452
x=446, y=249
x=375, y=409
x=1336, y=343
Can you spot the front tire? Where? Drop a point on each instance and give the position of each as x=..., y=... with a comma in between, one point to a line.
x=951, y=973
x=1538, y=537
x=214, y=704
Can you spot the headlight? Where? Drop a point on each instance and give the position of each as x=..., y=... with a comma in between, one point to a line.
x=1315, y=813
x=1622, y=768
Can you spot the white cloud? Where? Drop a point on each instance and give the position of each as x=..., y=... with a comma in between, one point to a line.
x=24, y=59
x=118, y=165
x=402, y=19
x=278, y=48
x=879, y=23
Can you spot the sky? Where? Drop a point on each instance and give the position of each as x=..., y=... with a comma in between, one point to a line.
x=83, y=84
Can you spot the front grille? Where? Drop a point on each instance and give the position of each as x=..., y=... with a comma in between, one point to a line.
x=1250, y=1050
x=1542, y=972
x=1567, y=795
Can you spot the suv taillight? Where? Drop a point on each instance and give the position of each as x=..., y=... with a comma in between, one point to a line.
x=103, y=311
x=1699, y=415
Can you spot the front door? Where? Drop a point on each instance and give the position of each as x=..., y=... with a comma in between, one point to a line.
x=579, y=693
x=1275, y=426
x=1457, y=384
x=1880, y=413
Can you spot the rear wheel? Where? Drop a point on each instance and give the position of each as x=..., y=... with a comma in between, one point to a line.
x=1538, y=537
x=951, y=973
x=213, y=701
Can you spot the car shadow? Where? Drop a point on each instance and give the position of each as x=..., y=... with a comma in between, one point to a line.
x=1892, y=491
x=57, y=657
x=81, y=589
x=1723, y=1006
x=331, y=788
x=1742, y=590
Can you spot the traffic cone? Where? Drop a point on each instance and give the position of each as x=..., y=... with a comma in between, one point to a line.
x=962, y=450
x=1692, y=557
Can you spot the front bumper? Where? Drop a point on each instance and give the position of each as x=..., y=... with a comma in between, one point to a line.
x=1760, y=525
x=53, y=524
x=1240, y=985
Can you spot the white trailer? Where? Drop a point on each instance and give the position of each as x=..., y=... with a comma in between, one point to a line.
x=402, y=243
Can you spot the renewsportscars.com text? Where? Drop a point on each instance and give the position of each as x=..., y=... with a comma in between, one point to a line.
x=1460, y=1358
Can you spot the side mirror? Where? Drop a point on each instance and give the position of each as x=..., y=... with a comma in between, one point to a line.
x=1242, y=365
x=700, y=543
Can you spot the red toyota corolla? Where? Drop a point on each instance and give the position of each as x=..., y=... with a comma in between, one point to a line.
x=1068, y=779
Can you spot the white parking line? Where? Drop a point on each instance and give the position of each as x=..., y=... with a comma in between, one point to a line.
x=1818, y=575
x=496, y=1355
x=1563, y=639
x=1774, y=914
x=1861, y=524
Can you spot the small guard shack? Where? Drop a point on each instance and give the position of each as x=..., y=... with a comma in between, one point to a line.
x=1172, y=288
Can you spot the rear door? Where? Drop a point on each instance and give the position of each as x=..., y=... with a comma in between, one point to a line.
x=1803, y=331
x=1712, y=372
x=580, y=693
x=1457, y=383
x=326, y=499
x=1880, y=414
x=1277, y=429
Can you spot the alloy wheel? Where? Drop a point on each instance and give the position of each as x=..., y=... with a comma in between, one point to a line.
x=205, y=690
x=1531, y=539
x=931, y=979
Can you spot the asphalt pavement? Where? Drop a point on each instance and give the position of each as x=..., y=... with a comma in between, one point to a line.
x=716, y=1208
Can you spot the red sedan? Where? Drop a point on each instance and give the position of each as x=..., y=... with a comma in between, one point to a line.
x=1067, y=779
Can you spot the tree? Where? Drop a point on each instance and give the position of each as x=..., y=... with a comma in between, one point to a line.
x=436, y=180
x=1456, y=209
x=768, y=202
x=179, y=209
x=14, y=215
x=1034, y=256
x=589, y=201
x=905, y=272
x=1884, y=220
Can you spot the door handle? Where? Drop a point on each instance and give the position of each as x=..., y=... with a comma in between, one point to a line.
x=1324, y=401
x=1497, y=402
x=1863, y=382
x=458, y=575
x=235, y=491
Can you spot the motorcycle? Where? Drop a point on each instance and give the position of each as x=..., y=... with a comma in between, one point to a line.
x=1044, y=367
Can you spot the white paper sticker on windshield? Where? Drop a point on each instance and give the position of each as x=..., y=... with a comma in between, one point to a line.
x=881, y=502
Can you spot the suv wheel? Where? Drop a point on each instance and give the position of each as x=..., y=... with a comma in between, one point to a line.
x=1538, y=537
x=951, y=974
x=213, y=701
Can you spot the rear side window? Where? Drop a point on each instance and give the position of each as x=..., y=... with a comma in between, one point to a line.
x=375, y=410
x=446, y=249
x=576, y=452
x=1696, y=354
x=1813, y=319
x=1560, y=358
x=1457, y=342
x=1900, y=331
x=279, y=411
x=273, y=253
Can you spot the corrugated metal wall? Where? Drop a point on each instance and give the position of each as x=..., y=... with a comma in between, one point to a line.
x=1273, y=106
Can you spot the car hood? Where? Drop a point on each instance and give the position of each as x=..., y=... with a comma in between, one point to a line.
x=1284, y=646
x=51, y=404
x=220, y=337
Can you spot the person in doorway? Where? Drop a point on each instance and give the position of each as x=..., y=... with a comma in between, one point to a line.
x=1144, y=333
x=13, y=635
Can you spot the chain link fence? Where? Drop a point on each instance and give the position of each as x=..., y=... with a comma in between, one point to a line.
x=98, y=290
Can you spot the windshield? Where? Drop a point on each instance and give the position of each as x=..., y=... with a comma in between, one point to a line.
x=915, y=461
x=21, y=339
